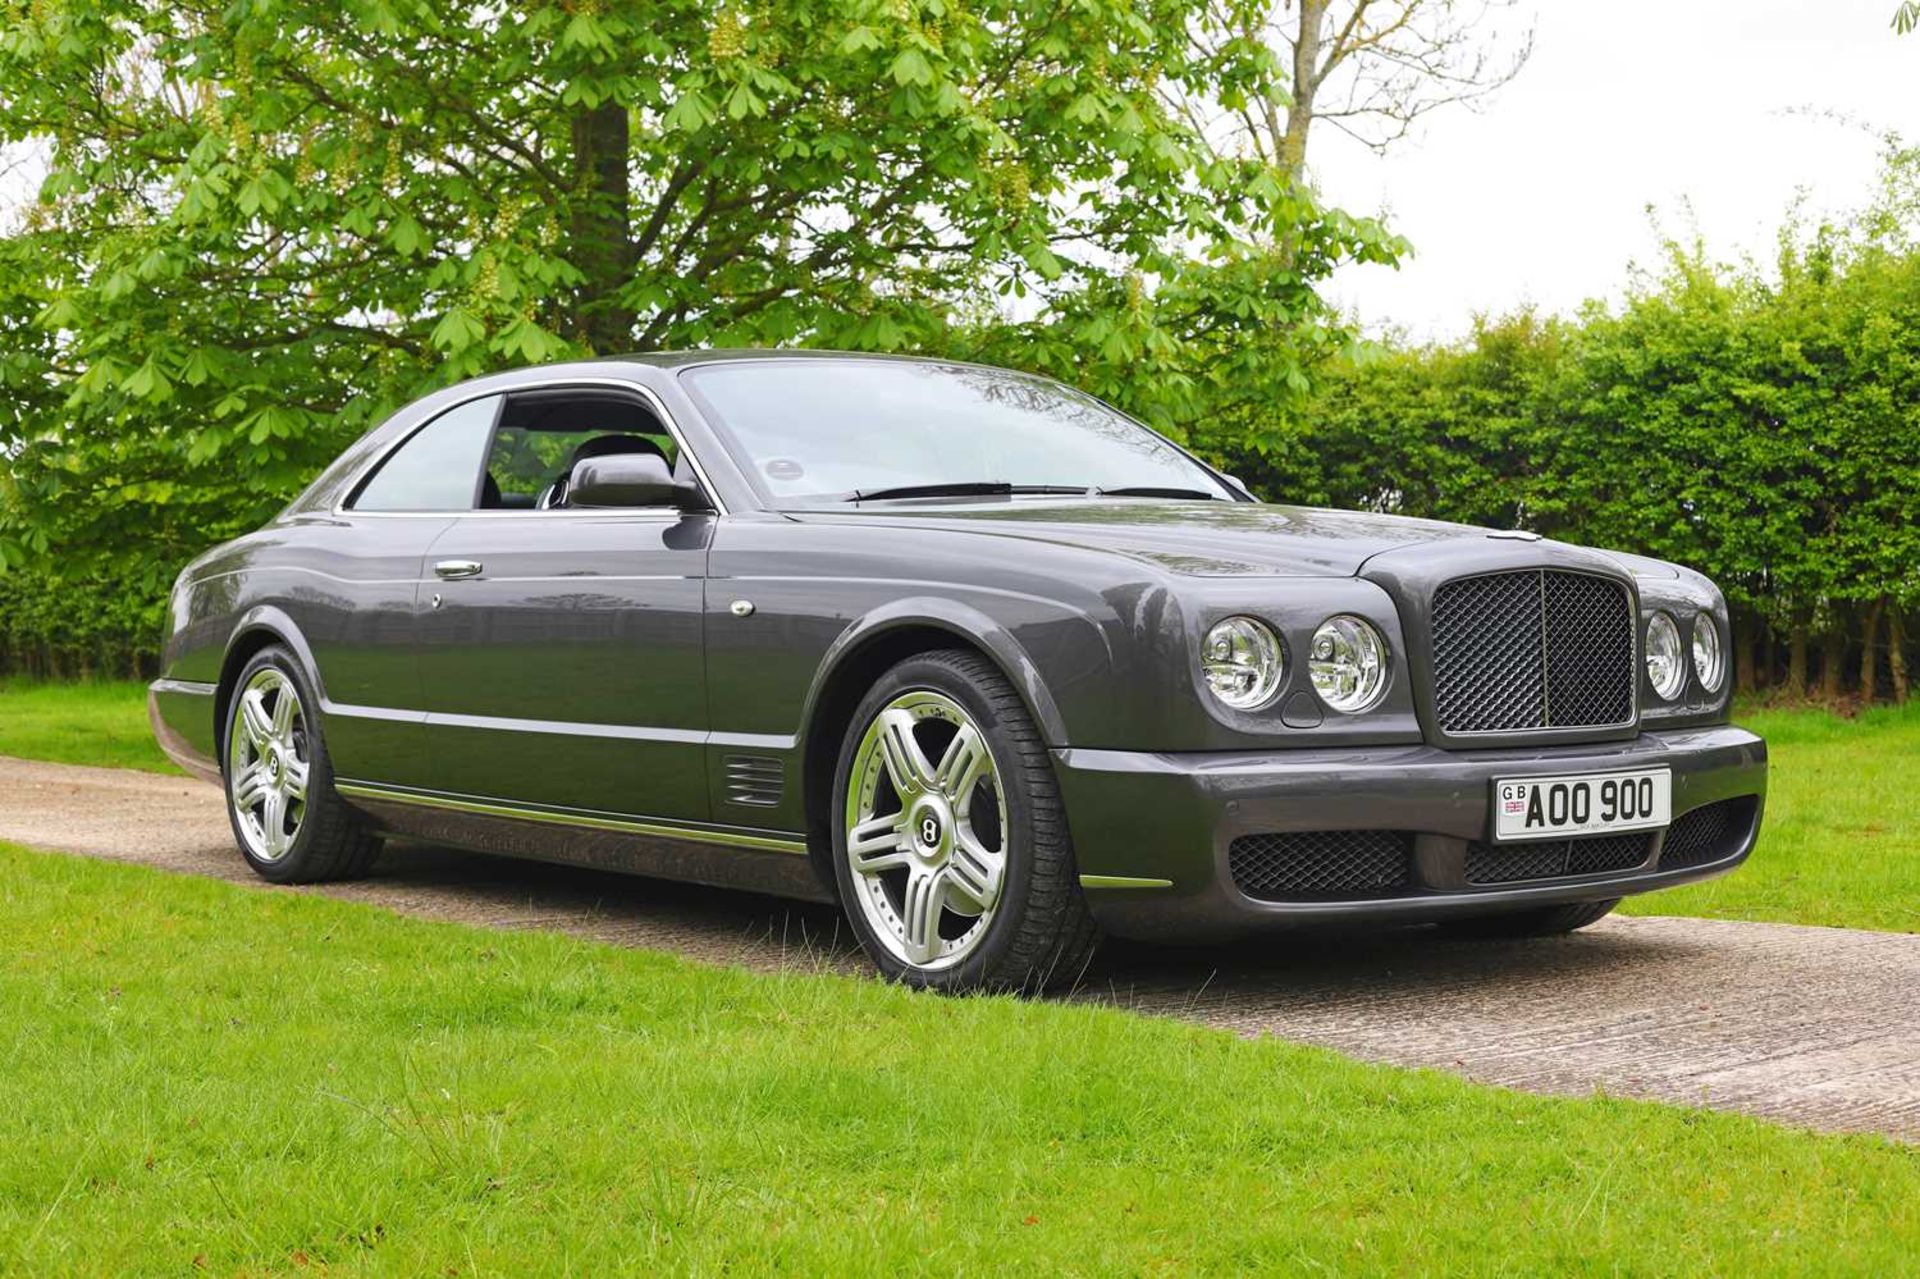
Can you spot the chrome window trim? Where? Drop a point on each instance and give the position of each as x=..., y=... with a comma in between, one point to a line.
x=646, y=393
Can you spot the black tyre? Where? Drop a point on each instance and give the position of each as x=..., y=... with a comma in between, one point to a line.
x=950, y=843
x=291, y=825
x=1543, y=921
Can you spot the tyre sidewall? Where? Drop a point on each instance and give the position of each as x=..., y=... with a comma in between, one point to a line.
x=290, y=868
x=978, y=968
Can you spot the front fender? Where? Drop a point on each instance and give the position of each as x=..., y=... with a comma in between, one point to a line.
x=966, y=623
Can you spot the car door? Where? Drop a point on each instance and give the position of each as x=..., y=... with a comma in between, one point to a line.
x=354, y=589
x=561, y=659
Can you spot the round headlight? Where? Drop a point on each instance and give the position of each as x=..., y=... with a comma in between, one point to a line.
x=1347, y=663
x=1242, y=662
x=1664, y=670
x=1709, y=662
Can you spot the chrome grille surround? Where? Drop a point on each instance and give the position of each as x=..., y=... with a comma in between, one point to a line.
x=1534, y=649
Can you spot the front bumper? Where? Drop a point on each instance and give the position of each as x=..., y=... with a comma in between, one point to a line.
x=1153, y=831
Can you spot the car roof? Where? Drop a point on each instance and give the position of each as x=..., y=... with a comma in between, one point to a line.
x=723, y=355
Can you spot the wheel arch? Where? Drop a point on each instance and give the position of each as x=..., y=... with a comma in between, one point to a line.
x=258, y=628
x=866, y=651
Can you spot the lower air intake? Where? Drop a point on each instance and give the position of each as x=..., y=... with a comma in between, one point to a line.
x=1710, y=833
x=1327, y=865
x=1555, y=859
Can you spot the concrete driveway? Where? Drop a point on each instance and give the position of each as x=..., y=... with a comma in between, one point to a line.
x=1813, y=1026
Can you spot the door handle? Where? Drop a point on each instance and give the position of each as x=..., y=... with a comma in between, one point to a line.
x=453, y=570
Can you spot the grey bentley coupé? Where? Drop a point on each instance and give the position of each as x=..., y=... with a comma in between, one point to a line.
x=992, y=666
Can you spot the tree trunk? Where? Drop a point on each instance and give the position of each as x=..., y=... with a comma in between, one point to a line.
x=1797, y=661
x=1769, y=658
x=1306, y=82
x=1833, y=651
x=602, y=245
x=1743, y=655
x=1869, y=654
x=1897, y=653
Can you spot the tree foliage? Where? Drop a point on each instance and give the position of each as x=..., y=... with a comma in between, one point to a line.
x=268, y=222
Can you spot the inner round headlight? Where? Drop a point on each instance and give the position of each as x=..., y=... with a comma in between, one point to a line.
x=1709, y=661
x=1664, y=667
x=1242, y=662
x=1347, y=663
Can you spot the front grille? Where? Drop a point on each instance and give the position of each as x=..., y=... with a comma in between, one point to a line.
x=1555, y=859
x=1707, y=834
x=1327, y=864
x=1539, y=648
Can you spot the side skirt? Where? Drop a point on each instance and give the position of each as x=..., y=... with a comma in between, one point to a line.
x=757, y=861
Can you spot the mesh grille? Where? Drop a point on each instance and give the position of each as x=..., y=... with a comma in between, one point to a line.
x=1321, y=863
x=1552, y=859
x=1707, y=834
x=1542, y=648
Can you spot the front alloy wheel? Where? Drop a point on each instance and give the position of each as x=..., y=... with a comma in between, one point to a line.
x=926, y=830
x=950, y=845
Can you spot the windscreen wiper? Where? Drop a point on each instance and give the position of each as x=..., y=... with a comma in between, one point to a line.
x=1149, y=490
x=971, y=488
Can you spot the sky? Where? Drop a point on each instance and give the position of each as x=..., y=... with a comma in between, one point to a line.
x=1540, y=194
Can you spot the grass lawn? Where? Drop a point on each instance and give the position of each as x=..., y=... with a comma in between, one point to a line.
x=1841, y=844
x=1841, y=841
x=102, y=723
x=201, y=1075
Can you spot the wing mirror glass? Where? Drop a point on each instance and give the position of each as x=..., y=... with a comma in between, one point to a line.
x=630, y=479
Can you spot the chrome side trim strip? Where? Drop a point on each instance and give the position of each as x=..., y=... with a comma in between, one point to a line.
x=193, y=687
x=1123, y=881
x=589, y=821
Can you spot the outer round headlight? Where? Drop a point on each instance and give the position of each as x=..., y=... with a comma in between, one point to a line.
x=1664, y=668
x=1242, y=662
x=1709, y=661
x=1347, y=663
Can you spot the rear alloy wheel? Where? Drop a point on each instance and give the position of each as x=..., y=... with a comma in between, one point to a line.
x=290, y=824
x=951, y=849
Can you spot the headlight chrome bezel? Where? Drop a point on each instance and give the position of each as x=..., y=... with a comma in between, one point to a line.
x=1664, y=651
x=1710, y=667
x=1349, y=664
x=1252, y=648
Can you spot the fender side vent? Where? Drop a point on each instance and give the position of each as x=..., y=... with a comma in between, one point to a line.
x=755, y=780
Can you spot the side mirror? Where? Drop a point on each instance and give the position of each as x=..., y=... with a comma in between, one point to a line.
x=630, y=479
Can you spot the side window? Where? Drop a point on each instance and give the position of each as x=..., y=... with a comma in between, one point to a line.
x=438, y=468
x=542, y=434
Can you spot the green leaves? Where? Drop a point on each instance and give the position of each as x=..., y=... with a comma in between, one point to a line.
x=264, y=229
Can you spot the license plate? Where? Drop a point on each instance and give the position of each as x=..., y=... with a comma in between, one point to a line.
x=1581, y=804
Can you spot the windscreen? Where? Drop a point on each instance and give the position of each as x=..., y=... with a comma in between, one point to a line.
x=819, y=431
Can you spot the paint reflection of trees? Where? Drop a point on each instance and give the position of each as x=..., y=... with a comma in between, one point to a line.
x=1039, y=398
